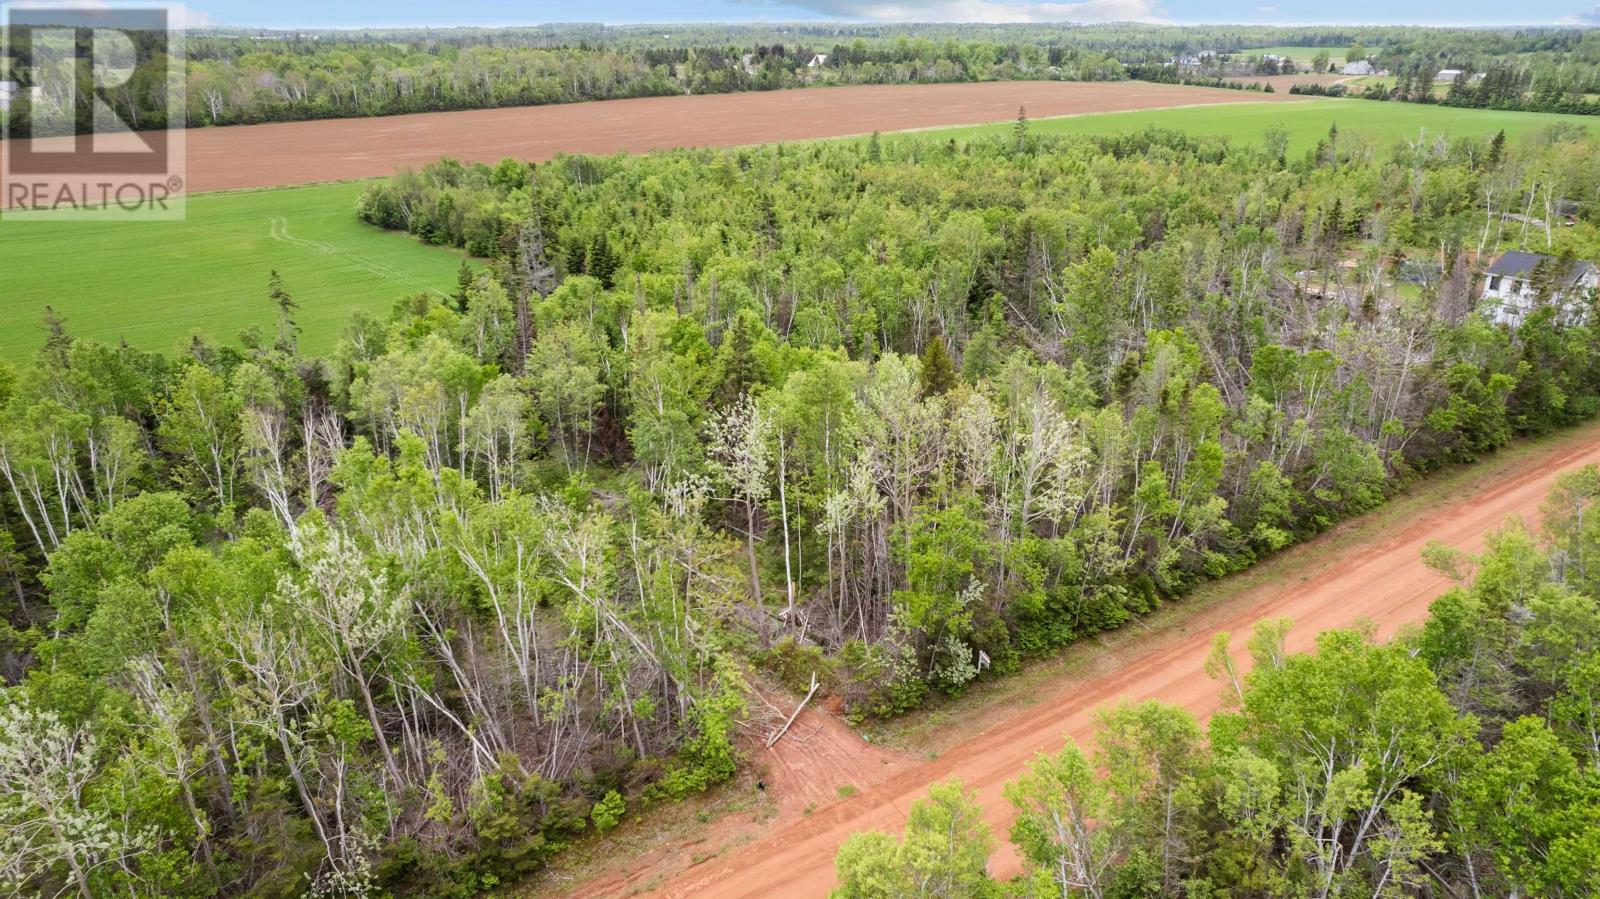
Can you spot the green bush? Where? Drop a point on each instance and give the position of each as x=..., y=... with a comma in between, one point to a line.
x=608, y=811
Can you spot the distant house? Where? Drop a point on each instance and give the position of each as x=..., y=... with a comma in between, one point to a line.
x=10, y=90
x=1508, y=286
x=1447, y=76
x=1359, y=67
x=818, y=61
x=1193, y=59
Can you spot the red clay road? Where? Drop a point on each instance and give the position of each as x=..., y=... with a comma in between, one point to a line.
x=286, y=153
x=1381, y=579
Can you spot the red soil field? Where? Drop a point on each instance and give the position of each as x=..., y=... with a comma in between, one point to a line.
x=1378, y=578
x=275, y=155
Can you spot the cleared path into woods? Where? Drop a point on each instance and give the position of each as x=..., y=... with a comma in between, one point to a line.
x=1331, y=582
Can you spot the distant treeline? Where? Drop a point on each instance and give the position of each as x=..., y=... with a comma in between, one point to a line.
x=240, y=77
x=1501, y=85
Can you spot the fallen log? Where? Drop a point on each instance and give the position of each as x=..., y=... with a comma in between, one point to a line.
x=771, y=741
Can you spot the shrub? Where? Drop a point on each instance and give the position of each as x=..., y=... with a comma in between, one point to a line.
x=608, y=811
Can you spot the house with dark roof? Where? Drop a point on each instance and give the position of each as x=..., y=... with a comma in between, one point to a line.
x=1510, y=286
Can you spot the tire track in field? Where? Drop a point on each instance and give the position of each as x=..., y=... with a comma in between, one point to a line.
x=278, y=229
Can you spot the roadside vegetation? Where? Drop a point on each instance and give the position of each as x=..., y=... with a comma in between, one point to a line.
x=1459, y=758
x=413, y=614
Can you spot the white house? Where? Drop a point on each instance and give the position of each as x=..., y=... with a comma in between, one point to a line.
x=1359, y=67
x=10, y=90
x=818, y=61
x=1447, y=76
x=1509, y=293
x=1193, y=59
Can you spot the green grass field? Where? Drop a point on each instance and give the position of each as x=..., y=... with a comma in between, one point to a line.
x=156, y=283
x=1299, y=54
x=1305, y=121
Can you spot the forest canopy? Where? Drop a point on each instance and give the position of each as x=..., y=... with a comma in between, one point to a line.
x=490, y=576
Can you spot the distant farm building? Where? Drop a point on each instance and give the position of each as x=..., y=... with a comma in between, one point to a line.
x=1359, y=67
x=818, y=61
x=1512, y=286
x=10, y=90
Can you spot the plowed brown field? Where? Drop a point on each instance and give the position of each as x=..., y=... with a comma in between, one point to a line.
x=1377, y=577
x=340, y=149
x=336, y=150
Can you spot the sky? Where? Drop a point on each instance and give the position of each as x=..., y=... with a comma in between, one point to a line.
x=353, y=13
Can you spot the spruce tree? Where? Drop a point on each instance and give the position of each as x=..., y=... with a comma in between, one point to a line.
x=1497, y=148
x=602, y=264
x=288, y=330
x=463, y=284
x=738, y=361
x=574, y=259
x=57, y=343
x=938, y=369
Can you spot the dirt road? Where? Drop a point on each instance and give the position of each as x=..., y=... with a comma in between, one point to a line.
x=340, y=149
x=1379, y=578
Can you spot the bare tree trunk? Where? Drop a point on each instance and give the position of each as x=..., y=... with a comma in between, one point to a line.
x=755, y=574
x=783, y=506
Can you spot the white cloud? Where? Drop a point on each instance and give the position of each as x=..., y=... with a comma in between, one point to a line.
x=189, y=17
x=993, y=11
x=182, y=16
x=1266, y=10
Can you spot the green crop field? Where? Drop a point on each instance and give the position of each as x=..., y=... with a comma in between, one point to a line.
x=1306, y=122
x=1299, y=54
x=156, y=283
